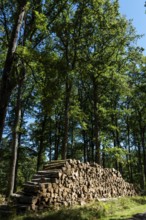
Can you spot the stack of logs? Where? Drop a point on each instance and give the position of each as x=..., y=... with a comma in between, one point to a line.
x=69, y=182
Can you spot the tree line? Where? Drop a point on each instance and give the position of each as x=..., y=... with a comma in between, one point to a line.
x=72, y=85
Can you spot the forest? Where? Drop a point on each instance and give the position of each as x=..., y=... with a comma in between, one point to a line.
x=72, y=85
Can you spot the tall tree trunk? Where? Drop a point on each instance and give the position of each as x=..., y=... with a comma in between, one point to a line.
x=56, y=143
x=114, y=143
x=143, y=148
x=41, y=145
x=15, y=141
x=57, y=138
x=72, y=140
x=103, y=158
x=140, y=166
x=50, y=140
x=8, y=81
x=114, y=140
x=85, y=146
x=96, y=121
x=130, y=170
x=120, y=168
x=142, y=135
x=17, y=162
x=66, y=120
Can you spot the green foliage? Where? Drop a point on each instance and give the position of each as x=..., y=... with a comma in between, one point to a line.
x=117, y=153
x=24, y=174
x=40, y=19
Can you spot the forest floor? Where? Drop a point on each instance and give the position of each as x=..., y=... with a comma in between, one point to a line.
x=120, y=209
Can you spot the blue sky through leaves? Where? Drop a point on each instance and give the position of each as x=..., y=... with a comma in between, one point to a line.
x=135, y=10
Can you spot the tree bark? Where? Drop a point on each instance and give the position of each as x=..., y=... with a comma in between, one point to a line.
x=130, y=168
x=8, y=81
x=140, y=166
x=96, y=121
x=66, y=120
x=41, y=145
x=142, y=136
x=85, y=146
x=15, y=142
x=57, y=138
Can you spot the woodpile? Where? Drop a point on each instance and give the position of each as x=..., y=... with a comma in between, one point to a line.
x=69, y=182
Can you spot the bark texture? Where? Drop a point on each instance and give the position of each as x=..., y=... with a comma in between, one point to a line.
x=8, y=81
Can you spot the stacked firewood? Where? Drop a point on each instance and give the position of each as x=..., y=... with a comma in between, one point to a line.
x=69, y=182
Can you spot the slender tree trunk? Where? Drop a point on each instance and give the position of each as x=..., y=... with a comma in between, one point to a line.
x=140, y=166
x=91, y=149
x=50, y=140
x=15, y=142
x=114, y=143
x=118, y=144
x=72, y=141
x=17, y=162
x=4, y=99
x=41, y=145
x=96, y=121
x=56, y=143
x=103, y=158
x=57, y=139
x=130, y=170
x=142, y=136
x=143, y=148
x=66, y=120
x=85, y=146
x=114, y=140
x=8, y=81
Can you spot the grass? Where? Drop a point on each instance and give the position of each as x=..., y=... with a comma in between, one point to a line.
x=125, y=208
x=119, y=209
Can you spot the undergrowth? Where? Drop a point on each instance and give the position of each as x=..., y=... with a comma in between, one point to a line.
x=2, y=199
x=116, y=209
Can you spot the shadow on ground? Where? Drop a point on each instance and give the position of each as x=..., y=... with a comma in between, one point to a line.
x=140, y=216
x=9, y=213
x=140, y=200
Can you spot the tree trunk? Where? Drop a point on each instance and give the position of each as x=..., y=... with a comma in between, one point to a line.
x=96, y=122
x=85, y=146
x=143, y=148
x=72, y=141
x=66, y=120
x=130, y=170
x=15, y=141
x=103, y=158
x=17, y=162
x=57, y=138
x=140, y=166
x=142, y=136
x=8, y=81
x=114, y=143
x=50, y=140
x=120, y=168
x=41, y=145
